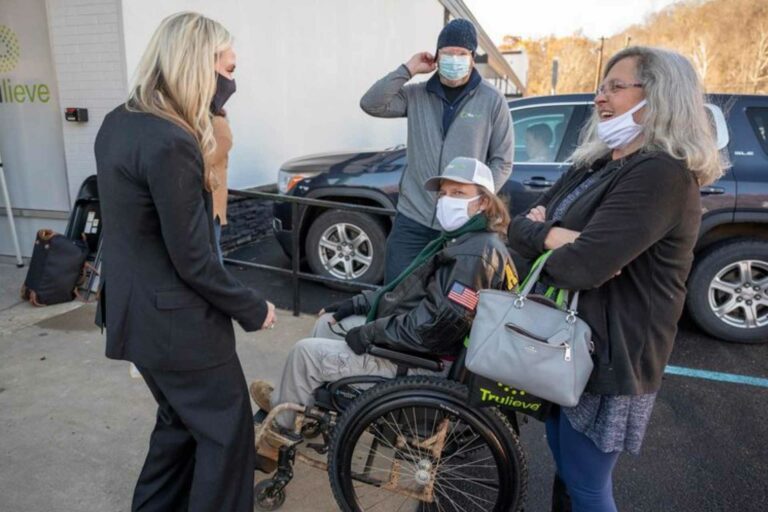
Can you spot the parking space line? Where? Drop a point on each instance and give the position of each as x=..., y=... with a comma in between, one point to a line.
x=718, y=376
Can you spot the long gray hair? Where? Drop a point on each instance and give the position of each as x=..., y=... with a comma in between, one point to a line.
x=675, y=119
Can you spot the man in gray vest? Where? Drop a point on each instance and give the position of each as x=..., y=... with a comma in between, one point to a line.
x=454, y=113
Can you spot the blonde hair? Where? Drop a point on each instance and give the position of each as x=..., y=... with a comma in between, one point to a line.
x=675, y=122
x=176, y=76
x=497, y=213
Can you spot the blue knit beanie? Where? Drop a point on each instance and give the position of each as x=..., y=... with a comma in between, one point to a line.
x=459, y=33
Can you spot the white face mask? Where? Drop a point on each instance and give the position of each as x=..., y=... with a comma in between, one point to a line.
x=621, y=130
x=452, y=212
x=453, y=67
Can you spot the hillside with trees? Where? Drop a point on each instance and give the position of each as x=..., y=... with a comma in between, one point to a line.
x=727, y=41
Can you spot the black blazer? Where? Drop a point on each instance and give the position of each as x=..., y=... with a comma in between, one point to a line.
x=169, y=301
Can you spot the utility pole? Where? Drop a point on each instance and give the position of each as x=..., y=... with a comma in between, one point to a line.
x=555, y=69
x=627, y=41
x=599, y=62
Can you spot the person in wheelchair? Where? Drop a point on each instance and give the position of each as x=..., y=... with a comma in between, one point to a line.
x=427, y=310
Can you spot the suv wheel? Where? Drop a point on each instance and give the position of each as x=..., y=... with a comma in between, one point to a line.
x=728, y=291
x=347, y=245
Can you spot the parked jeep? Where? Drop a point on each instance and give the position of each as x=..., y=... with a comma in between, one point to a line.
x=728, y=286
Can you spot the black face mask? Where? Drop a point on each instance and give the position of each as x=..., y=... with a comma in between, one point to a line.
x=224, y=89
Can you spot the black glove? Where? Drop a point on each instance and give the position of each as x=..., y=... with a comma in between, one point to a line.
x=354, y=339
x=341, y=310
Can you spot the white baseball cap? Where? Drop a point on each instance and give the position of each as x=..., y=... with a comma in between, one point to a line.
x=463, y=169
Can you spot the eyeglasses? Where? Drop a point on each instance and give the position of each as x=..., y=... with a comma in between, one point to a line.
x=613, y=86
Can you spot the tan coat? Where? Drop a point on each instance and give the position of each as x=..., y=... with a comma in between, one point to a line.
x=216, y=167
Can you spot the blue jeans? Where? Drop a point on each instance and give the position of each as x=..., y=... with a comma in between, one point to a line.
x=405, y=242
x=586, y=471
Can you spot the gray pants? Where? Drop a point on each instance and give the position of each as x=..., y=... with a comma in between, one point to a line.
x=326, y=357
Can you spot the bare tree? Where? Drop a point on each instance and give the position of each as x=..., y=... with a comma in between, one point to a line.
x=730, y=52
x=759, y=69
x=701, y=57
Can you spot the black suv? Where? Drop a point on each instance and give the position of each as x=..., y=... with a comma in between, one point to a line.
x=728, y=286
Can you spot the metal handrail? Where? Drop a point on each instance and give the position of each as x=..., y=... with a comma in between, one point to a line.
x=294, y=272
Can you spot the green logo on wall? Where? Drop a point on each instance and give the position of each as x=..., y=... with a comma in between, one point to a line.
x=9, y=49
x=10, y=52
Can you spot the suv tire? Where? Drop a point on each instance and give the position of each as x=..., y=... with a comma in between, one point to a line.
x=347, y=245
x=728, y=291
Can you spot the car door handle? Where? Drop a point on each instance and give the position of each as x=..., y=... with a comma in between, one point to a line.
x=712, y=191
x=538, y=182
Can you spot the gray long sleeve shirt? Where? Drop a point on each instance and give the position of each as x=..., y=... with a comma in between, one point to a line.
x=481, y=128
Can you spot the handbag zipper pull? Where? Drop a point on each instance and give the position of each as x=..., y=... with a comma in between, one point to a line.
x=567, y=352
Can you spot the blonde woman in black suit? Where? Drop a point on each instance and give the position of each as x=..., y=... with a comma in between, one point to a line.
x=169, y=301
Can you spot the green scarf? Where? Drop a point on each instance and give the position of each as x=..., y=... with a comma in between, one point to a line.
x=477, y=223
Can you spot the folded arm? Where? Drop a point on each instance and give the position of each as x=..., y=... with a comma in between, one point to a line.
x=643, y=206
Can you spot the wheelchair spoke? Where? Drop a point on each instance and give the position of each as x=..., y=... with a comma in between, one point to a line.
x=463, y=449
x=404, y=438
x=393, y=448
x=478, y=482
x=449, y=499
x=470, y=497
x=451, y=469
x=390, y=459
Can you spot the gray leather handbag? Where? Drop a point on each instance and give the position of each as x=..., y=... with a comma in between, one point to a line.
x=527, y=342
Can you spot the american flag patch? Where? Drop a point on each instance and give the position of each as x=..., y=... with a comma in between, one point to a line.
x=463, y=295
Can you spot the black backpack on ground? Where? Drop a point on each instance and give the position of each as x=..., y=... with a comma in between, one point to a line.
x=55, y=269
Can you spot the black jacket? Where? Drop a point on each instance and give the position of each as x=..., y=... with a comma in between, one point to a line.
x=169, y=301
x=641, y=219
x=418, y=315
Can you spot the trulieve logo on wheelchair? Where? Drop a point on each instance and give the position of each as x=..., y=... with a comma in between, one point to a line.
x=511, y=397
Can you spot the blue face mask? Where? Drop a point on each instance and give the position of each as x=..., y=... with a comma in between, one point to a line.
x=453, y=67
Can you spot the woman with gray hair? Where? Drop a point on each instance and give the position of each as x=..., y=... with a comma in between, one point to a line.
x=622, y=224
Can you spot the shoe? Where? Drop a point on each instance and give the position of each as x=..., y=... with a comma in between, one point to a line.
x=261, y=393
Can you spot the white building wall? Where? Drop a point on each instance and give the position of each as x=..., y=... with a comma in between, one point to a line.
x=86, y=39
x=302, y=67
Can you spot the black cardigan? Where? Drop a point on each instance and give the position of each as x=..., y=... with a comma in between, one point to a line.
x=643, y=219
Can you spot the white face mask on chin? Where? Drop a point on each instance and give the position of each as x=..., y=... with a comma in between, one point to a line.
x=452, y=212
x=621, y=130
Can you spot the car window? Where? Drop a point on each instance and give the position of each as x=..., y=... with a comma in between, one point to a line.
x=539, y=132
x=758, y=118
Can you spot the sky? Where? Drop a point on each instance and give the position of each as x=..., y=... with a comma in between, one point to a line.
x=538, y=18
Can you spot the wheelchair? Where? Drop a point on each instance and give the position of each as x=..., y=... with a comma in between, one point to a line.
x=410, y=443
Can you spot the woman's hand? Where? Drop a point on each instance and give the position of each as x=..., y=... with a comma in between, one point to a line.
x=271, y=320
x=538, y=214
x=558, y=237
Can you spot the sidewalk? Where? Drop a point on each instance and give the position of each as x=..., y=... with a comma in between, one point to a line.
x=75, y=426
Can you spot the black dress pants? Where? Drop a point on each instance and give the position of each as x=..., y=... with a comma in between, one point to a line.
x=201, y=452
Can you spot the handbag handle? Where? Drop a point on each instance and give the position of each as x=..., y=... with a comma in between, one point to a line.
x=530, y=280
x=526, y=287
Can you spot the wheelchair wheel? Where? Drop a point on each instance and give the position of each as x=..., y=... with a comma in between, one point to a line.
x=267, y=495
x=414, y=444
